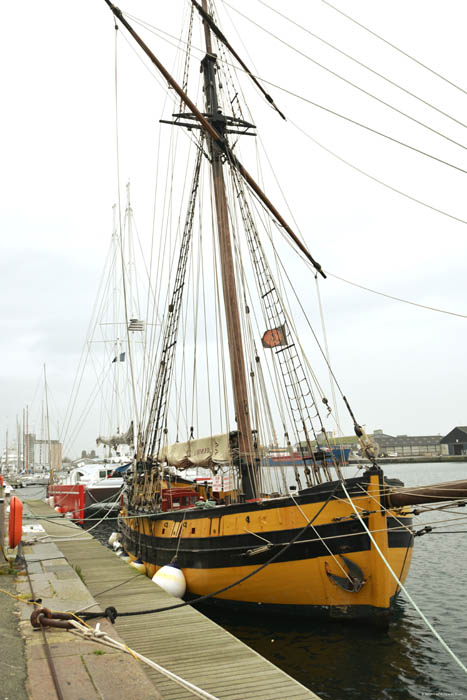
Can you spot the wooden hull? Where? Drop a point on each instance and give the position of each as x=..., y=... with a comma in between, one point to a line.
x=215, y=548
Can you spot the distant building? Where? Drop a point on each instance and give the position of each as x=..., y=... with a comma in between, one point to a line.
x=36, y=453
x=347, y=442
x=399, y=445
x=42, y=457
x=456, y=441
x=411, y=445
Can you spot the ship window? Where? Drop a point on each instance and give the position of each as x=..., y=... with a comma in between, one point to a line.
x=193, y=530
x=163, y=530
x=102, y=474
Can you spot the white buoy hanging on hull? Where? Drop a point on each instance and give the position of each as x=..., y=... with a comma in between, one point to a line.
x=116, y=545
x=171, y=579
x=113, y=538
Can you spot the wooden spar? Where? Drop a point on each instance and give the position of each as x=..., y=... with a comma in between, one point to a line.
x=411, y=496
x=208, y=19
x=234, y=331
x=217, y=138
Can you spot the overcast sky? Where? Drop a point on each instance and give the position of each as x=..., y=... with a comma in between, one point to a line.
x=403, y=367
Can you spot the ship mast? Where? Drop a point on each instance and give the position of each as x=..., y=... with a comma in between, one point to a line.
x=216, y=126
x=234, y=333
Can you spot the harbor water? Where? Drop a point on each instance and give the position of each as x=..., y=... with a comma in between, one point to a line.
x=406, y=662
x=354, y=661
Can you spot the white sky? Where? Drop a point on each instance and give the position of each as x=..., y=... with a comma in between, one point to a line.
x=402, y=367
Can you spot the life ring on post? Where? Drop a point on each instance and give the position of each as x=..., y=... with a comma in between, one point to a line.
x=15, y=522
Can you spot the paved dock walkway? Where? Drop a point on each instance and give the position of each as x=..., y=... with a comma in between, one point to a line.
x=182, y=640
x=83, y=669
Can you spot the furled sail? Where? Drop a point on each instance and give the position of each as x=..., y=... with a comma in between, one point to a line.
x=116, y=440
x=203, y=452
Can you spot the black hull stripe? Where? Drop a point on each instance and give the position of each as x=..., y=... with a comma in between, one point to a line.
x=311, y=495
x=231, y=551
x=356, y=487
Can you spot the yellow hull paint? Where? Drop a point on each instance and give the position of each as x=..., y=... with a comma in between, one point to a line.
x=297, y=582
x=302, y=582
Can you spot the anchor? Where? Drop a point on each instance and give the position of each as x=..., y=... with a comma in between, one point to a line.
x=355, y=581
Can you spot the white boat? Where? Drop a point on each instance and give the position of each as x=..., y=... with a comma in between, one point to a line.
x=100, y=482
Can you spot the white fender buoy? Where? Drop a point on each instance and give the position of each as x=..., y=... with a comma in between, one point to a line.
x=139, y=565
x=117, y=545
x=113, y=538
x=171, y=579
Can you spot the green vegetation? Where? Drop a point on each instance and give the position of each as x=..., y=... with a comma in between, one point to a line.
x=80, y=573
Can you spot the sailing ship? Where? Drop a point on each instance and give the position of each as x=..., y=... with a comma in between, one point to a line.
x=116, y=334
x=248, y=538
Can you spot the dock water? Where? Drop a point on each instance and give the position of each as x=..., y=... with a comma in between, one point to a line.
x=183, y=640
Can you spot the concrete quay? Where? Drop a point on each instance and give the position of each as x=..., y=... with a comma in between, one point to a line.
x=76, y=572
x=84, y=670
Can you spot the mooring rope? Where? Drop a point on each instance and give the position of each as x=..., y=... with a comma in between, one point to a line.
x=95, y=635
x=403, y=588
x=199, y=599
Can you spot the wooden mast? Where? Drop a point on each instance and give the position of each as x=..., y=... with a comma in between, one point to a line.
x=234, y=332
x=205, y=124
x=214, y=127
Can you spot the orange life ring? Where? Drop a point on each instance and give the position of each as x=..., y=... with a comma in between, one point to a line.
x=15, y=522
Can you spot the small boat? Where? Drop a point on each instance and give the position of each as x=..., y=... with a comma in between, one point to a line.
x=259, y=535
x=102, y=482
x=36, y=478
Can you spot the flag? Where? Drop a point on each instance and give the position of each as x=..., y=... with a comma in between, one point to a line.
x=274, y=337
x=121, y=359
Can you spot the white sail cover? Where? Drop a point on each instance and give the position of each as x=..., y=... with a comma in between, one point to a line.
x=116, y=440
x=204, y=452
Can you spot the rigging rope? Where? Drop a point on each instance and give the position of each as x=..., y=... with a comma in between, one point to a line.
x=199, y=599
x=389, y=296
x=360, y=63
x=377, y=180
x=95, y=635
x=158, y=33
x=348, y=82
x=402, y=587
x=393, y=46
